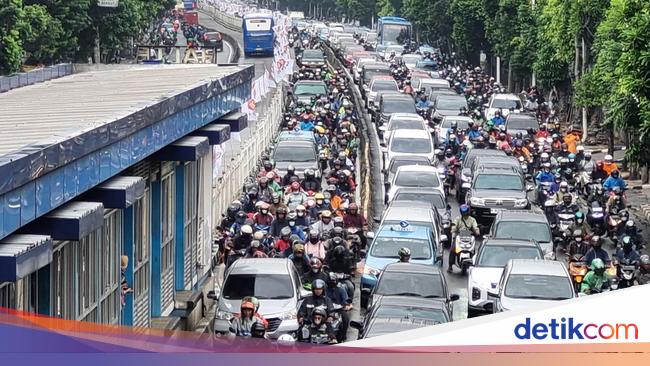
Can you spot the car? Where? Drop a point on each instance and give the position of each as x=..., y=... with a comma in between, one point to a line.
x=447, y=105
x=431, y=84
x=524, y=225
x=394, y=314
x=370, y=70
x=274, y=281
x=311, y=58
x=495, y=189
x=377, y=84
x=503, y=103
x=409, y=142
x=411, y=60
x=399, y=161
x=414, y=176
x=386, y=243
x=393, y=103
x=434, y=197
x=487, y=267
x=304, y=90
x=429, y=66
x=413, y=280
x=401, y=121
x=295, y=135
x=463, y=175
x=461, y=121
x=361, y=62
x=213, y=39
x=299, y=153
x=527, y=284
x=521, y=122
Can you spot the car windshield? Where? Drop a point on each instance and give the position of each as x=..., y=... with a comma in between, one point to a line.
x=406, y=124
x=435, y=199
x=524, y=231
x=402, y=162
x=542, y=287
x=410, y=145
x=499, y=255
x=310, y=89
x=453, y=103
x=496, y=181
x=417, y=179
x=462, y=124
x=396, y=34
x=518, y=123
x=506, y=104
x=410, y=312
x=411, y=59
x=294, y=153
x=384, y=85
x=266, y=286
x=413, y=284
x=312, y=54
x=387, y=247
x=398, y=106
x=371, y=73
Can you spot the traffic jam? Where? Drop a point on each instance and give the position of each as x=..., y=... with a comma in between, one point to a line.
x=490, y=202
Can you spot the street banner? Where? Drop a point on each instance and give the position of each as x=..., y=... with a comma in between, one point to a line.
x=108, y=3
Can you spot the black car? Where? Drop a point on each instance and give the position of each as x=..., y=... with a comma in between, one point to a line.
x=414, y=280
x=213, y=39
x=311, y=59
x=392, y=314
x=463, y=174
x=521, y=122
x=524, y=225
x=393, y=103
x=447, y=105
x=371, y=70
x=495, y=189
x=434, y=197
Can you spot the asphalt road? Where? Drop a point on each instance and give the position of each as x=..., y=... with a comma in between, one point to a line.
x=222, y=57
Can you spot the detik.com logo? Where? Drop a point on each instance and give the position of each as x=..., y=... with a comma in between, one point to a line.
x=569, y=328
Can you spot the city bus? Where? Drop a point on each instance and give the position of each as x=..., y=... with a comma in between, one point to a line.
x=393, y=31
x=258, y=34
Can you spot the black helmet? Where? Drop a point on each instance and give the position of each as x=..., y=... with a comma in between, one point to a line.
x=567, y=198
x=241, y=215
x=319, y=311
x=404, y=254
x=339, y=250
x=258, y=330
x=233, y=210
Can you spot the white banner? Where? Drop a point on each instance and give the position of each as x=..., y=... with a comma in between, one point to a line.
x=218, y=152
x=108, y=3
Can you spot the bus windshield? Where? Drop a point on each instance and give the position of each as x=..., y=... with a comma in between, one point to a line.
x=396, y=34
x=258, y=25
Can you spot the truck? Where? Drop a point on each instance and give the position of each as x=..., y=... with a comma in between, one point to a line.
x=191, y=17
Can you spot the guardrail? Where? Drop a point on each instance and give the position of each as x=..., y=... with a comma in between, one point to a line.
x=244, y=166
x=229, y=21
x=35, y=76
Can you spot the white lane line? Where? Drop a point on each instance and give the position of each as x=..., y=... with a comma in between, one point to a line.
x=227, y=44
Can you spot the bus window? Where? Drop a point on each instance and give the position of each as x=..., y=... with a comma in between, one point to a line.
x=258, y=25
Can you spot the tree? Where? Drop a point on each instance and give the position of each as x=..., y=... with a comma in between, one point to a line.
x=41, y=33
x=386, y=8
x=468, y=29
x=11, y=49
x=430, y=18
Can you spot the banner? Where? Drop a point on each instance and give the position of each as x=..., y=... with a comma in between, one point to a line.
x=218, y=152
x=108, y=3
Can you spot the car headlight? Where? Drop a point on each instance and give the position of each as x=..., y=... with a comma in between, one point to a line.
x=521, y=203
x=475, y=201
x=371, y=271
x=224, y=315
x=289, y=315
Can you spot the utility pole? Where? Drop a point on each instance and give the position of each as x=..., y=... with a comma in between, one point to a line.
x=533, y=80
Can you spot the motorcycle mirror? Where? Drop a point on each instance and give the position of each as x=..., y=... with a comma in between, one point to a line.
x=466, y=185
x=212, y=295
x=370, y=234
x=444, y=237
x=304, y=293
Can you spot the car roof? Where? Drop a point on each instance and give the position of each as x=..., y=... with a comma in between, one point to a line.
x=383, y=78
x=294, y=135
x=450, y=96
x=310, y=82
x=416, y=158
x=413, y=204
x=411, y=301
x=299, y=142
x=435, y=81
x=402, y=213
x=412, y=268
x=260, y=266
x=485, y=152
x=521, y=116
x=418, y=232
x=417, y=168
x=458, y=118
x=498, y=169
x=508, y=242
x=405, y=116
x=423, y=191
x=506, y=97
x=537, y=267
x=377, y=65
x=413, y=134
x=521, y=215
x=397, y=95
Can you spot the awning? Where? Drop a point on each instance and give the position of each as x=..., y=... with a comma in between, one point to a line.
x=119, y=192
x=236, y=120
x=189, y=148
x=217, y=134
x=73, y=221
x=21, y=255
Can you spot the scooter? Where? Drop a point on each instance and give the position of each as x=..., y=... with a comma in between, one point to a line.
x=465, y=246
x=596, y=218
x=577, y=269
x=626, y=274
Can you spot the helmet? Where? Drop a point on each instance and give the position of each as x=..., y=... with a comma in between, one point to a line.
x=644, y=260
x=464, y=209
x=286, y=340
x=246, y=229
x=248, y=305
x=577, y=235
x=608, y=158
x=579, y=216
x=253, y=300
x=318, y=284
x=595, y=241
x=597, y=265
x=309, y=173
x=291, y=169
x=614, y=173
x=315, y=263
x=404, y=252
x=353, y=206
x=285, y=231
x=257, y=330
x=319, y=196
x=571, y=156
x=326, y=213
x=567, y=198
x=281, y=210
x=627, y=241
x=319, y=311
x=298, y=248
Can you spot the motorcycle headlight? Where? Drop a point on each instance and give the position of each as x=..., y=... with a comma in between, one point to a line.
x=224, y=315
x=597, y=215
x=475, y=201
x=465, y=246
x=521, y=203
x=371, y=271
x=289, y=315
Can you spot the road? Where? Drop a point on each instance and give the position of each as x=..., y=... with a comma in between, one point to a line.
x=222, y=57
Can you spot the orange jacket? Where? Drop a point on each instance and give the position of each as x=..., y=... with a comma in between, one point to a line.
x=609, y=167
x=571, y=140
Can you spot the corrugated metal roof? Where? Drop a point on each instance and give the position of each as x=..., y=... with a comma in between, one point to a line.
x=86, y=100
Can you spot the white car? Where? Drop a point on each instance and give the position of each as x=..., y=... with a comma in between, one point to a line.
x=402, y=121
x=414, y=176
x=462, y=123
x=503, y=102
x=411, y=60
x=528, y=284
x=409, y=143
x=359, y=66
x=432, y=84
x=378, y=84
x=393, y=48
x=488, y=265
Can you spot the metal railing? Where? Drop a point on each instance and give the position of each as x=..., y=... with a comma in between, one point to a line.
x=227, y=20
x=246, y=164
x=34, y=76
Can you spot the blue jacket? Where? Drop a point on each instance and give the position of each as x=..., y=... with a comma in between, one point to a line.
x=544, y=177
x=632, y=255
x=296, y=230
x=307, y=125
x=498, y=121
x=612, y=182
x=473, y=134
x=422, y=104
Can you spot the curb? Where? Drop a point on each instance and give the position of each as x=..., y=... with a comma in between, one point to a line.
x=605, y=151
x=645, y=209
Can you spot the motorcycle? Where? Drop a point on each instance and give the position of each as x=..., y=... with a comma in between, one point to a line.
x=577, y=269
x=614, y=223
x=465, y=245
x=596, y=218
x=564, y=221
x=443, y=174
x=626, y=274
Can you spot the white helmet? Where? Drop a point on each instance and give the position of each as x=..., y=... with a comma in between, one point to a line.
x=544, y=156
x=286, y=340
x=580, y=148
x=608, y=157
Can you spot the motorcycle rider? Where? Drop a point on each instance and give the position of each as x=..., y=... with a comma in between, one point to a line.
x=310, y=183
x=318, y=330
x=404, y=255
x=563, y=191
x=264, y=190
x=293, y=225
x=299, y=259
x=354, y=219
x=316, y=300
x=408, y=89
x=463, y=222
x=294, y=196
x=567, y=205
x=627, y=253
x=422, y=103
x=614, y=180
x=315, y=248
x=595, y=278
x=596, y=251
x=316, y=272
x=609, y=165
x=241, y=324
x=599, y=172
x=643, y=273
x=325, y=224
x=231, y=215
x=631, y=231
x=302, y=219
x=280, y=221
x=338, y=294
x=577, y=245
x=263, y=217
x=579, y=223
x=291, y=172
x=498, y=119
x=545, y=174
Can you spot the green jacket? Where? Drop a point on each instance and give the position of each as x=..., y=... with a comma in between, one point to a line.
x=592, y=280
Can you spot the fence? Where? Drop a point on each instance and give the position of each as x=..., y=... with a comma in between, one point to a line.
x=237, y=171
x=35, y=76
x=227, y=20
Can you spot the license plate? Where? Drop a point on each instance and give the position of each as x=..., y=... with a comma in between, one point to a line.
x=495, y=210
x=464, y=255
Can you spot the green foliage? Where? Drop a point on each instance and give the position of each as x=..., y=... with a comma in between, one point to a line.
x=10, y=43
x=430, y=18
x=41, y=33
x=385, y=8
x=468, y=29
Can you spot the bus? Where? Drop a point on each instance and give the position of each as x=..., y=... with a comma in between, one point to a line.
x=258, y=34
x=393, y=31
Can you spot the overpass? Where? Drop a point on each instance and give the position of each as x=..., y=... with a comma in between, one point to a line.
x=106, y=176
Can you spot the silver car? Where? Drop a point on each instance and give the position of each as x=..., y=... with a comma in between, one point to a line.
x=531, y=283
x=273, y=281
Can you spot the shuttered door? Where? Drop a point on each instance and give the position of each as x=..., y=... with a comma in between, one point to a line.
x=167, y=246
